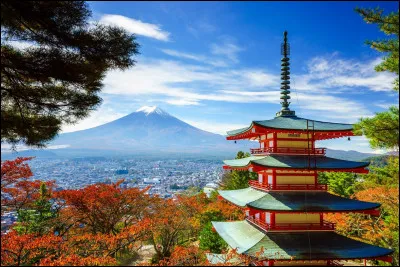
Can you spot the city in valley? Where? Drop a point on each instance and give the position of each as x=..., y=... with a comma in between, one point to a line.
x=165, y=176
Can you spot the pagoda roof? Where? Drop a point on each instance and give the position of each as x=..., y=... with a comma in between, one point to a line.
x=295, y=201
x=294, y=123
x=250, y=241
x=241, y=197
x=295, y=162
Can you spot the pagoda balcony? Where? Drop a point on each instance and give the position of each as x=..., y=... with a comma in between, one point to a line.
x=288, y=187
x=288, y=151
x=324, y=226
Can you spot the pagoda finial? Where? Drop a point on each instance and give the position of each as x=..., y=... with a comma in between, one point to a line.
x=285, y=83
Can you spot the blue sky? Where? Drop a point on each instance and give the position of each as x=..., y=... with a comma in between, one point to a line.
x=216, y=65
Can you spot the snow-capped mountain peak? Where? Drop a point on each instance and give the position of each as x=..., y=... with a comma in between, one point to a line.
x=152, y=110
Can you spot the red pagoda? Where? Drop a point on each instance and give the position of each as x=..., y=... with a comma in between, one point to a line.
x=285, y=207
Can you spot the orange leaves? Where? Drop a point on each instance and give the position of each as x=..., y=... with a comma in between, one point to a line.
x=24, y=249
x=101, y=207
x=229, y=211
x=387, y=196
x=184, y=256
x=14, y=170
x=74, y=260
x=18, y=190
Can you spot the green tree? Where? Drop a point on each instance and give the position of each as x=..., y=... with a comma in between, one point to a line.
x=58, y=77
x=388, y=24
x=387, y=175
x=37, y=219
x=382, y=130
x=238, y=179
x=341, y=183
x=210, y=240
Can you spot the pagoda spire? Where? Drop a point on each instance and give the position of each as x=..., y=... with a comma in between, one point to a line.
x=285, y=79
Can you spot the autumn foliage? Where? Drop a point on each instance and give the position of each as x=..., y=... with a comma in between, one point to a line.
x=100, y=223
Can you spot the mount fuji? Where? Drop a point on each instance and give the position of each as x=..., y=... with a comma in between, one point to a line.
x=148, y=130
x=154, y=132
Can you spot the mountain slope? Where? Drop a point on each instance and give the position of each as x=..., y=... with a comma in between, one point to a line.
x=147, y=129
x=152, y=131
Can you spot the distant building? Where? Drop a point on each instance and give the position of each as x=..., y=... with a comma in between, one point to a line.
x=209, y=188
x=151, y=181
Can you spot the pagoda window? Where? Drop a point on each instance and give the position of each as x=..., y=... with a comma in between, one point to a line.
x=271, y=143
x=285, y=218
x=262, y=144
x=267, y=217
x=260, y=178
x=257, y=216
x=295, y=179
x=270, y=179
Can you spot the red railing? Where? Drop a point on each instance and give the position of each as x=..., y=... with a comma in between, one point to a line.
x=269, y=187
x=327, y=226
x=288, y=150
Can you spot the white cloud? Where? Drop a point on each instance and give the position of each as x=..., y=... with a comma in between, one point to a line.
x=261, y=79
x=334, y=72
x=183, y=102
x=385, y=105
x=182, y=84
x=136, y=26
x=179, y=84
x=101, y=116
x=227, y=49
x=183, y=55
x=214, y=127
x=200, y=58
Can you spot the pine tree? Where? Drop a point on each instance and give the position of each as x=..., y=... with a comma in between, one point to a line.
x=382, y=130
x=389, y=25
x=238, y=179
x=57, y=78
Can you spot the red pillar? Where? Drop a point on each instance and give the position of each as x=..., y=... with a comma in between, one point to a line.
x=272, y=219
x=274, y=178
x=316, y=177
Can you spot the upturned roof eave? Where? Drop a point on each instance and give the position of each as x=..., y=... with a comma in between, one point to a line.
x=235, y=133
x=250, y=241
x=253, y=162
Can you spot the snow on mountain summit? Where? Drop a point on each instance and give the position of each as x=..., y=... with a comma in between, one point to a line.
x=152, y=109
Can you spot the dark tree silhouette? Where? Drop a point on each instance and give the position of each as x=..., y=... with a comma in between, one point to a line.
x=58, y=77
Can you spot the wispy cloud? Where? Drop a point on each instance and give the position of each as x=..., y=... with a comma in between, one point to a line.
x=136, y=26
x=178, y=83
x=199, y=58
x=385, y=105
x=345, y=74
x=214, y=127
x=182, y=102
x=227, y=48
x=101, y=116
x=185, y=84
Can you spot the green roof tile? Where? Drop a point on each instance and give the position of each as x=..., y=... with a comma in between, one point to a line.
x=295, y=245
x=240, y=235
x=242, y=162
x=295, y=123
x=297, y=162
x=314, y=246
x=309, y=201
x=241, y=197
x=294, y=201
